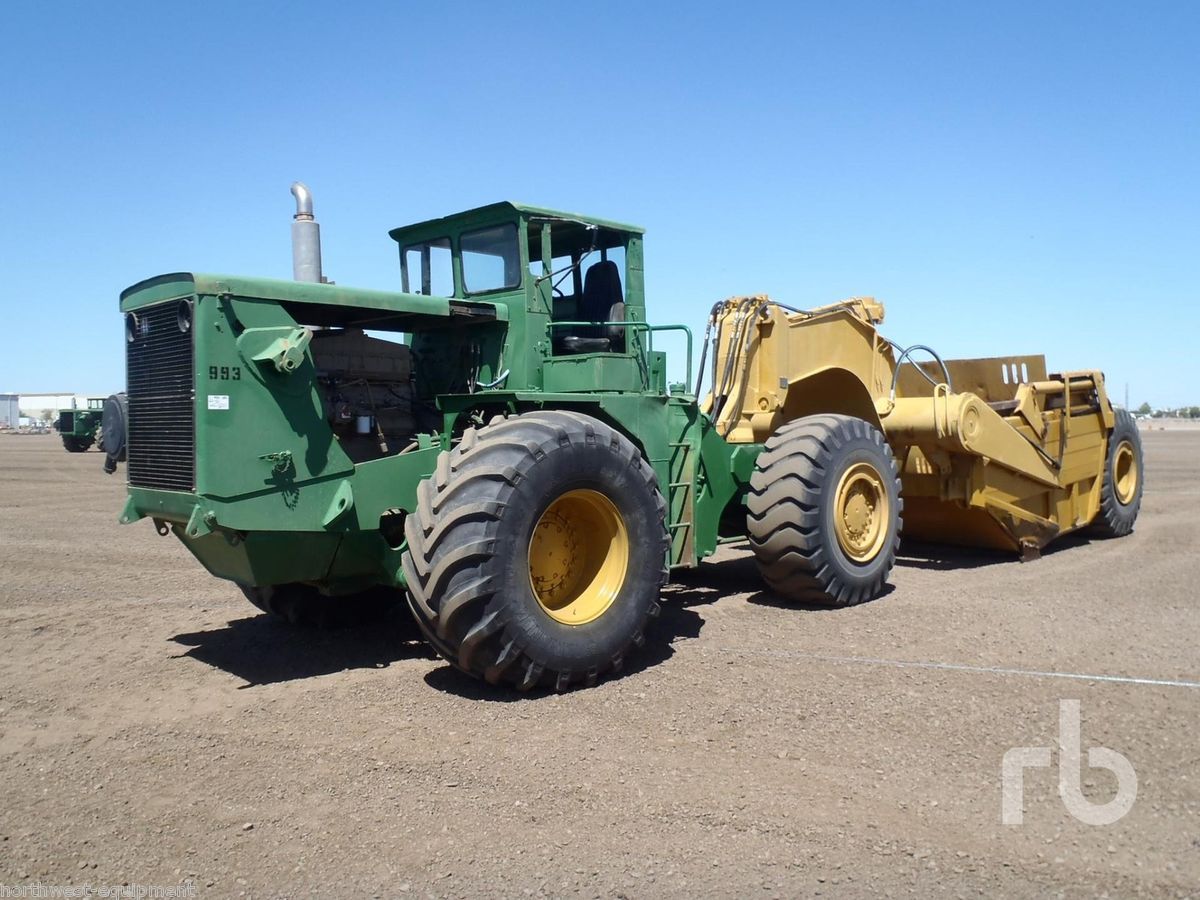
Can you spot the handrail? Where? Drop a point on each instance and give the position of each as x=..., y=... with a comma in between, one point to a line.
x=687, y=333
x=637, y=326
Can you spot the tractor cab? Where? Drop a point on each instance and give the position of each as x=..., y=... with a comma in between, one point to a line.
x=570, y=285
x=585, y=267
x=582, y=263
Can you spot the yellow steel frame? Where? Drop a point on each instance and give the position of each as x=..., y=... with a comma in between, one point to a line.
x=1004, y=456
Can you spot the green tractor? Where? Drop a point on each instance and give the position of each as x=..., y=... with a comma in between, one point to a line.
x=81, y=428
x=517, y=469
x=513, y=464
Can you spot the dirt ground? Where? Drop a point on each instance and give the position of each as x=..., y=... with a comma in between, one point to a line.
x=156, y=730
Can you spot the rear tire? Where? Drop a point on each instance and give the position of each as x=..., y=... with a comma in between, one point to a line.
x=824, y=511
x=304, y=606
x=76, y=444
x=1121, y=491
x=537, y=551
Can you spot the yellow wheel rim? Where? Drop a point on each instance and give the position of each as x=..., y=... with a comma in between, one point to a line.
x=1125, y=473
x=578, y=557
x=861, y=512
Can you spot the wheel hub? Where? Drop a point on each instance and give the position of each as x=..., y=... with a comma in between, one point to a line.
x=578, y=557
x=554, y=547
x=1125, y=473
x=861, y=508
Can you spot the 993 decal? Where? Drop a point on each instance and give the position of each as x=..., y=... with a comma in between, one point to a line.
x=224, y=373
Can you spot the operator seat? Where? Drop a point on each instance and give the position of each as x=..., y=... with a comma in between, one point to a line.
x=602, y=301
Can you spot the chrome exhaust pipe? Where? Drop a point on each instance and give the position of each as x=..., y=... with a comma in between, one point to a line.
x=306, y=238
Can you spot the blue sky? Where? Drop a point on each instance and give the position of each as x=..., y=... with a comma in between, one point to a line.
x=1006, y=177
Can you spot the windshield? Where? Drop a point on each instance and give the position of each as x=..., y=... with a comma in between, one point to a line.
x=491, y=259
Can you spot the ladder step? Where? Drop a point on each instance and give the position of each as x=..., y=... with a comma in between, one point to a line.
x=681, y=494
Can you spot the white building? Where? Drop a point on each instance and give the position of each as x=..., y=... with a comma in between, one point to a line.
x=34, y=405
x=10, y=410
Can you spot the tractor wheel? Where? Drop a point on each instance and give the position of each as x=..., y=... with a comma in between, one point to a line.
x=305, y=606
x=537, y=551
x=1121, y=492
x=824, y=511
x=75, y=444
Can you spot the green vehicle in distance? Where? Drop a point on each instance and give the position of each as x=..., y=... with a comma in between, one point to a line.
x=80, y=428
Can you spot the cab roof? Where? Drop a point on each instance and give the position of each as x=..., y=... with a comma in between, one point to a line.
x=505, y=209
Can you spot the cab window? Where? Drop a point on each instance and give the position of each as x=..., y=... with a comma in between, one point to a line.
x=491, y=259
x=574, y=249
x=428, y=268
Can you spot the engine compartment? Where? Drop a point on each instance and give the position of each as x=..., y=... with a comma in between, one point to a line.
x=369, y=393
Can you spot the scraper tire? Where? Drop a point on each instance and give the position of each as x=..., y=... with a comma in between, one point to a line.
x=824, y=511
x=1121, y=492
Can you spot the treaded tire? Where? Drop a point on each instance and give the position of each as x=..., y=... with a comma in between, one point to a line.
x=76, y=444
x=1115, y=519
x=467, y=560
x=304, y=606
x=791, y=515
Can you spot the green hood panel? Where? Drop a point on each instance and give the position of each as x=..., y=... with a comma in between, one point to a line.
x=325, y=304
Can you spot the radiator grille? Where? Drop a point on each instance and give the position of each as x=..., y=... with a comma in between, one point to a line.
x=161, y=393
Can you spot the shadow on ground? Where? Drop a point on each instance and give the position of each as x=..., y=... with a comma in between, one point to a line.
x=711, y=581
x=677, y=621
x=263, y=650
x=944, y=557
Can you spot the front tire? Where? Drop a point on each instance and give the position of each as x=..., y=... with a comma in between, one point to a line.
x=75, y=444
x=824, y=511
x=537, y=551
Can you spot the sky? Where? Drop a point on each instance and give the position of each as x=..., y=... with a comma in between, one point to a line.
x=1005, y=177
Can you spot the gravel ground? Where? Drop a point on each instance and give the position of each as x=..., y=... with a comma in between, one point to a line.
x=154, y=729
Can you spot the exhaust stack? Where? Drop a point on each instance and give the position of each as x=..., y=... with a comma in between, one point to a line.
x=306, y=238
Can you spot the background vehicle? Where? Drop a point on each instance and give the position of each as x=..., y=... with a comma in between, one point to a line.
x=519, y=468
x=79, y=428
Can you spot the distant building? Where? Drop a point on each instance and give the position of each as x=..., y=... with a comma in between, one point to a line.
x=10, y=410
x=33, y=405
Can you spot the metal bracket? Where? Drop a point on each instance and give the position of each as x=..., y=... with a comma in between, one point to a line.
x=343, y=500
x=283, y=347
x=200, y=522
x=130, y=513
